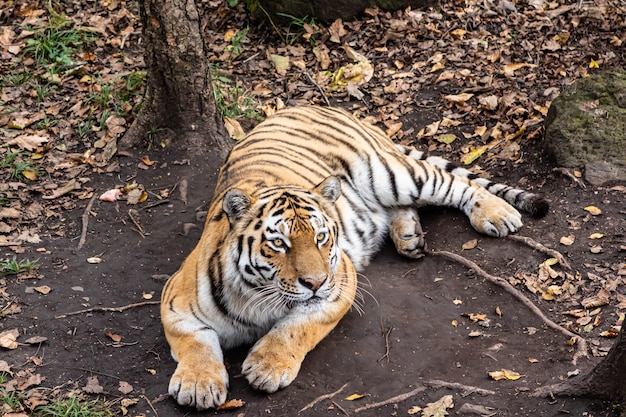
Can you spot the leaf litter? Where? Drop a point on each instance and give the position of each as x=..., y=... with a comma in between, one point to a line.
x=485, y=75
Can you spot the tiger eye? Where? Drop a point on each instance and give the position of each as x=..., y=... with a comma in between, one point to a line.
x=278, y=243
x=320, y=236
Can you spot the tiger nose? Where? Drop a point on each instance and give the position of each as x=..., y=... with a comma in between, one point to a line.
x=313, y=283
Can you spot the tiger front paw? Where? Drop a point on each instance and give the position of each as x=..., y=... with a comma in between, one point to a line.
x=495, y=217
x=199, y=387
x=270, y=371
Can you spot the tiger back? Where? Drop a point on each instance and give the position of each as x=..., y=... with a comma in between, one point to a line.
x=301, y=203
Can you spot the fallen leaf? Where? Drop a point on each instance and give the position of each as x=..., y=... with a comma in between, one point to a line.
x=8, y=339
x=355, y=397
x=43, y=289
x=114, y=337
x=35, y=340
x=593, y=64
x=231, y=405
x=125, y=387
x=439, y=407
x=458, y=99
x=234, y=128
x=470, y=244
x=28, y=142
x=447, y=138
x=593, y=210
x=473, y=155
x=110, y=195
x=567, y=240
x=505, y=374
x=596, y=235
x=281, y=63
x=94, y=260
x=93, y=386
x=414, y=410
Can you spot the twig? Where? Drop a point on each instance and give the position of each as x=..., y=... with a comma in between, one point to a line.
x=501, y=282
x=85, y=218
x=569, y=175
x=391, y=400
x=131, y=214
x=114, y=309
x=150, y=404
x=467, y=389
x=312, y=81
x=322, y=398
x=99, y=373
x=541, y=248
x=341, y=408
x=386, y=333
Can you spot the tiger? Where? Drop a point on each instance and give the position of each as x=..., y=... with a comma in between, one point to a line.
x=301, y=204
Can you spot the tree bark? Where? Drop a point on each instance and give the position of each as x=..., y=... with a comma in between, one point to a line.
x=179, y=101
x=605, y=381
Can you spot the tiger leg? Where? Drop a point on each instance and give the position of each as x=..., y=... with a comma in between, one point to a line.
x=404, y=181
x=406, y=232
x=200, y=379
x=275, y=359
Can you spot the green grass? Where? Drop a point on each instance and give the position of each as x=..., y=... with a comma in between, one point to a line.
x=235, y=47
x=74, y=407
x=14, y=267
x=17, y=164
x=301, y=27
x=231, y=100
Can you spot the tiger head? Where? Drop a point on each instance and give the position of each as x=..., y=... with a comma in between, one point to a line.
x=287, y=243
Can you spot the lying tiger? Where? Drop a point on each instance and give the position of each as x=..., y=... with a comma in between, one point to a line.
x=305, y=200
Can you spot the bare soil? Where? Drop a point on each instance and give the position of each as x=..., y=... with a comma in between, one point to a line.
x=415, y=325
x=405, y=336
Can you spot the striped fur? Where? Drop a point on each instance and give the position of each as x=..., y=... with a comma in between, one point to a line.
x=305, y=200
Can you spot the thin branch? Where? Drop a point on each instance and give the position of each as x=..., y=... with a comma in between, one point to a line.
x=542, y=248
x=467, y=389
x=312, y=81
x=113, y=309
x=392, y=400
x=501, y=282
x=322, y=398
x=85, y=218
x=386, y=333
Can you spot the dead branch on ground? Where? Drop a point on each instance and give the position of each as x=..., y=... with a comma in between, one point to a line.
x=322, y=398
x=466, y=389
x=542, y=248
x=504, y=284
x=113, y=309
x=85, y=219
x=392, y=400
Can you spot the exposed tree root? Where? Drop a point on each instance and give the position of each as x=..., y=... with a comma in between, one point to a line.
x=114, y=309
x=504, y=284
x=322, y=398
x=541, y=248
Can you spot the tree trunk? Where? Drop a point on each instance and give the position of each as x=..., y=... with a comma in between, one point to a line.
x=178, y=104
x=606, y=380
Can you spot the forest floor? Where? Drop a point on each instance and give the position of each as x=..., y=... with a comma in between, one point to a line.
x=81, y=277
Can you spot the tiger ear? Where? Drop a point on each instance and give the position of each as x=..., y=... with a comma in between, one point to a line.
x=330, y=188
x=235, y=203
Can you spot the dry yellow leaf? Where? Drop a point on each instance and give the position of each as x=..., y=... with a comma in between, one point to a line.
x=593, y=64
x=234, y=128
x=505, y=374
x=567, y=240
x=593, y=210
x=355, y=397
x=458, y=99
x=470, y=244
x=533, y=360
x=596, y=236
x=473, y=155
x=30, y=174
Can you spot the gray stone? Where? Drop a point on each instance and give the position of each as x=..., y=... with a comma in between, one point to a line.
x=586, y=127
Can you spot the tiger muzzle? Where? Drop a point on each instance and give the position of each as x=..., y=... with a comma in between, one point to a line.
x=313, y=283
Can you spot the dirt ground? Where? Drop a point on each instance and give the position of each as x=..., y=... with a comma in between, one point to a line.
x=417, y=324
x=408, y=307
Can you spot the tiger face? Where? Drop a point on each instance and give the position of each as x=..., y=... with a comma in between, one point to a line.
x=292, y=261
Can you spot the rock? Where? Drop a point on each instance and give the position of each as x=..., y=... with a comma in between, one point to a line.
x=586, y=127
